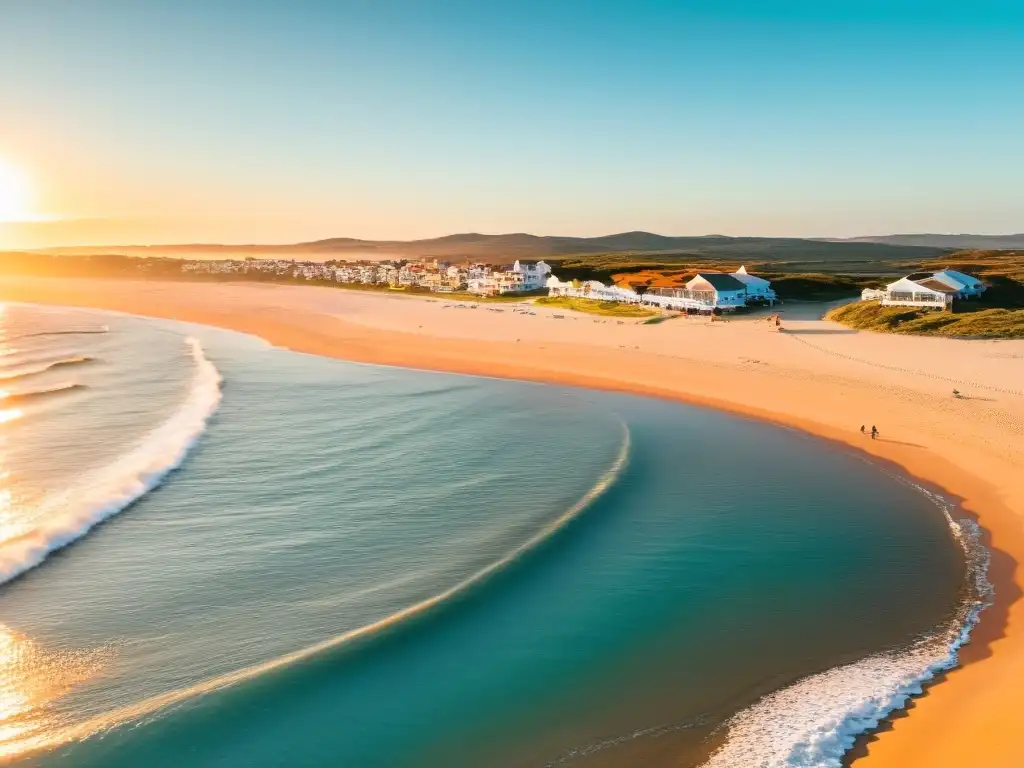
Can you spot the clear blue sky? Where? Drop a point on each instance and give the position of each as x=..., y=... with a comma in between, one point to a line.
x=275, y=121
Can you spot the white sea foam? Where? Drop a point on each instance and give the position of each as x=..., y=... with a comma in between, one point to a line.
x=69, y=515
x=815, y=721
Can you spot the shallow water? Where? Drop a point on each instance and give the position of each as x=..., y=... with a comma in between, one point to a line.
x=578, y=577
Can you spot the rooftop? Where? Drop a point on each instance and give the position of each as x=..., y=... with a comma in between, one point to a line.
x=721, y=281
x=937, y=285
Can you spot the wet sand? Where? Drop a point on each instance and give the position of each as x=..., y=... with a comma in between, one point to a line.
x=814, y=375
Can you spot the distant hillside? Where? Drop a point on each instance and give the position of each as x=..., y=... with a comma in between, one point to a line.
x=988, y=242
x=521, y=245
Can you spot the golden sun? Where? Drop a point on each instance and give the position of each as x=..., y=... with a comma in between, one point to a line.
x=15, y=194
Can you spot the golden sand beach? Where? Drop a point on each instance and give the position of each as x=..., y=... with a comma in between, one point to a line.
x=813, y=375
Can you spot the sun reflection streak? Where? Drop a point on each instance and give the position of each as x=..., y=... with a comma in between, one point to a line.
x=32, y=681
x=8, y=521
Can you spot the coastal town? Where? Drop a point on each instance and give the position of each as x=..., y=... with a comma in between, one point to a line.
x=706, y=291
x=430, y=275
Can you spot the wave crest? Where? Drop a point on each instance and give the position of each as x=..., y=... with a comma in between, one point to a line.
x=35, y=368
x=14, y=398
x=816, y=721
x=68, y=516
x=146, y=707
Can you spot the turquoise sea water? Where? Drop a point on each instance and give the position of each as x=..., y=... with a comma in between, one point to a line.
x=365, y=566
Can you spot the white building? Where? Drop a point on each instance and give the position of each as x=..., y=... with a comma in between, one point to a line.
x=927, y=289
x=704, y=293
x=718, y=289
x=523, y=276
x=592, y=289
x=758, y=289
x=535, y=273
x=482, y=286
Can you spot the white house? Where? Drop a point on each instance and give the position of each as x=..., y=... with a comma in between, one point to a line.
x=705, y=292
x=718, y=290
x=927, y=289
x=592, y=289
x=758, y=289
x=478, y=271
x=521, y=277
x=535, y=273
x=483, y=286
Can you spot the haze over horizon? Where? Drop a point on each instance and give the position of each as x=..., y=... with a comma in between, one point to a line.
x=632, y=240
x=164, y=123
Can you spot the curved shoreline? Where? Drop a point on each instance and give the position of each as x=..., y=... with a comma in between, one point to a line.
x=788, y=393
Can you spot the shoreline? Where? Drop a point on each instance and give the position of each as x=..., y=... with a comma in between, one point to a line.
x=789, y=391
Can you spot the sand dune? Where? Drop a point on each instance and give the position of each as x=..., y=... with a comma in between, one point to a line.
x=815, y=375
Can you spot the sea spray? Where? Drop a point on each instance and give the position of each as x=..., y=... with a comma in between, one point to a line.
x=816, y=721
x=69, y=515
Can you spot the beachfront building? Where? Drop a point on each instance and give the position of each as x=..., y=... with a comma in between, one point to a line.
x=534, y=273
x=706, y=292
x=592, y=289
x=718, y=290
x=497, y=284
x=759, y=290
x=967, y=286
x=936, y=290
x=483, y=286
x=521, y=277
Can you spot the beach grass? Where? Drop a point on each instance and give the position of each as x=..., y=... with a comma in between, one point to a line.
x=984, y=323
x=595, y=307
x=503, y=298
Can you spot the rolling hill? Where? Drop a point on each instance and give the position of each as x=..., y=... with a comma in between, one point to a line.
x=507, y=247
x=959, y=242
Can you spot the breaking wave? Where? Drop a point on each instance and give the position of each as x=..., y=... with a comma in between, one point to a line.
x=148, y=706
x=69, y=515
x=67, y=332
x=14, y=398
x=38, y=367
x=816, y=721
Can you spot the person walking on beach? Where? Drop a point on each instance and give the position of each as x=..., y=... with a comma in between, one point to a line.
x=874, y=432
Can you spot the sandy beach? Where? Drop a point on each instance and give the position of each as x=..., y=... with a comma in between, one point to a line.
x=815, y=376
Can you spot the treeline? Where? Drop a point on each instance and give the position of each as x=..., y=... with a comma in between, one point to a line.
x=108, y=265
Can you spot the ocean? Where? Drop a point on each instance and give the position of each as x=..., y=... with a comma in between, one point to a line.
x=218, y=553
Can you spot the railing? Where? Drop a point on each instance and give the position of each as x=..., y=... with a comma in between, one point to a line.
x=613, y=293
x=907, y=299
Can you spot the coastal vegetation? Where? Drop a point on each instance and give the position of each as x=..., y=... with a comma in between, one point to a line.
x=594, y=307
x=997, y=314
x=983, y=323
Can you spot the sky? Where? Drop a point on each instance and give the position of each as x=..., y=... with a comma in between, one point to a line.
x=159, y=121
